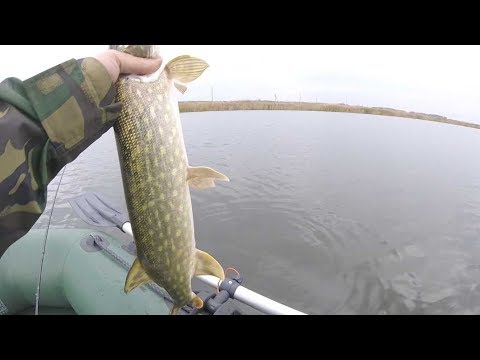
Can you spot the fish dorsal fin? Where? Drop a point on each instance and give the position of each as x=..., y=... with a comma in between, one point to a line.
x=203, y=177
x=136, y=277
x=184, y=69
x=207, y=265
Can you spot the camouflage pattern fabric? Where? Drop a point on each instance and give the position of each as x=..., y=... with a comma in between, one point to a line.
x=45, y=123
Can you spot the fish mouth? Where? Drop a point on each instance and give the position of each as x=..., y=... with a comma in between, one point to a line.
x=144, y=51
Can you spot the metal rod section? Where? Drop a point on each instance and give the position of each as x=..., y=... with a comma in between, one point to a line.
x=253, y=299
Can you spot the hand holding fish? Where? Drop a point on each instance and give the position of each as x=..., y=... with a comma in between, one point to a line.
x=117, y=63
x=68, y=107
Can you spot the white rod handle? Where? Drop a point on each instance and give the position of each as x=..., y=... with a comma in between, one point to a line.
x=254, y=299
x=127, y=228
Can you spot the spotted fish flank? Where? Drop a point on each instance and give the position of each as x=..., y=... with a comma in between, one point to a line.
x=157, y=179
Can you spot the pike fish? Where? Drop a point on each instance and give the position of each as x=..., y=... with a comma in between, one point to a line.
x=157, y=178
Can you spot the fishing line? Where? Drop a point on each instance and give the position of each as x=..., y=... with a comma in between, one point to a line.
x=37, y=295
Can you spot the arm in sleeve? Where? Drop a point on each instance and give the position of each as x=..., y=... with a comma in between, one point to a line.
x=45, y=122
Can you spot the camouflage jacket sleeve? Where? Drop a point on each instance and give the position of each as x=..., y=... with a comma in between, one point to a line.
x=46, y=122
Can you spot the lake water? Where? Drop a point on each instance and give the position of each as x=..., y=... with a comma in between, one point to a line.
x=329, y=213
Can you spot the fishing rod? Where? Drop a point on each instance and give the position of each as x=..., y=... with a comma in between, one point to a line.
x=96, y=210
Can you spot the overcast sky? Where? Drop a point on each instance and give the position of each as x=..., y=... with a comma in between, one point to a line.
x=443, y=80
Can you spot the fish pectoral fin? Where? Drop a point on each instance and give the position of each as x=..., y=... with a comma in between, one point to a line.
x=136, y=277
x=207, y=265
x=180, y=87
x=185, y=68
x=203, y=177
x=201, y=183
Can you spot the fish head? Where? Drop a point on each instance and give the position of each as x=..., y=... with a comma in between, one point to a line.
x=144, y=51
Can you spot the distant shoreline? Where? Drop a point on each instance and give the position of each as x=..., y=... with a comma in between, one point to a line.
x=197, y=106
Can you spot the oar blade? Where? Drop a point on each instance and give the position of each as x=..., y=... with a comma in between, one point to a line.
x=97, y=210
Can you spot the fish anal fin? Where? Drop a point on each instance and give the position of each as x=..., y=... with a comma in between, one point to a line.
x=203, y=177
x=185, y=68
x=136, y=277
x=207, y=265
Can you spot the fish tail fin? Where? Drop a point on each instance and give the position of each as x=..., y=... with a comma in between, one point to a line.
x=184, y=69
x=196, y=302
x=175, y=309
x=180, y=87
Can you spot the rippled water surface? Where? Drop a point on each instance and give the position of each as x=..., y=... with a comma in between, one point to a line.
x=329, y=213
